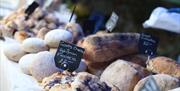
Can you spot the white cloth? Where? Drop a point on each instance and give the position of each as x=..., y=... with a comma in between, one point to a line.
x=162, y=19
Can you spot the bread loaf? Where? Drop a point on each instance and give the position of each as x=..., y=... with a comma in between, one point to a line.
x=110, y=46
x=164, y=83
x=43, y=65
x=34, y=45
x=124, y=75
x=82, y=81
x=164, y=65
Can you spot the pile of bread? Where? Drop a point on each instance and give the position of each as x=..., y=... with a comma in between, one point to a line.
x=110, y=63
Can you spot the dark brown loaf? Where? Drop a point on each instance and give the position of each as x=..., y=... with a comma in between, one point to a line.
x=109, y=46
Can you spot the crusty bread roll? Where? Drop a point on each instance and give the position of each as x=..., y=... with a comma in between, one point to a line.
x=82, y=81
x=42, y=32
x=164, y=65
x=34, y=45
x=124, y=75
x=43, y=65
x=20, y=36
x=53, y=38
x=76, y=30
x=109, y=47
x=164, y=82
x=25, y=63
x=14, y=51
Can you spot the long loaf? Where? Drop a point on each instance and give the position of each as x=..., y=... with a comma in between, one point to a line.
x=109, y=46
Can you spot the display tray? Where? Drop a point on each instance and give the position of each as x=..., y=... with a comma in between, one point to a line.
x=11, y=76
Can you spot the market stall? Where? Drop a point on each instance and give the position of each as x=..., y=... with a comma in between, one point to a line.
x=46, y=50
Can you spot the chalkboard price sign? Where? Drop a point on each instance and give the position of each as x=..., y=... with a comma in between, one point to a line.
x=148, y=44
x=68, y=56
x=31, y=8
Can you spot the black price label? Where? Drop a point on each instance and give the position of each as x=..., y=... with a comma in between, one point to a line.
x=148, y=44
x=68, y=56
x=112, y=22
x=31, y=8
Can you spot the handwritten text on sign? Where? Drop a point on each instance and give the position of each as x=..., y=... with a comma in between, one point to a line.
x=68, y=56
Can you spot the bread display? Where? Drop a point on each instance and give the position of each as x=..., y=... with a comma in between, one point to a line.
x=34, y=45
x=74, y=82
x=13, y=51
x=96, y=62
x=164, y=65
x=43, y=65
x=124, y=75
x=163, y=81
x=53, y=38
x=109, y=47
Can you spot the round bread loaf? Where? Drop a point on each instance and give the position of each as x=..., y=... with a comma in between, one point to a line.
x=34, y=45
x=53, y=38
x=164, y=65
x=43, y=65
x=162, y=81
x=25, y=63
x=14, y=51
x=124, y=75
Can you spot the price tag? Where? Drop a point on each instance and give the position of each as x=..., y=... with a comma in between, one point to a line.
x=111, y=23
x=148, y=44
x=150, y=85
x=31, y=8
x=68, y=56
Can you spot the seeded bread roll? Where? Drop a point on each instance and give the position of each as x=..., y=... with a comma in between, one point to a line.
x=82, y=81
x=109, y=47
x=124, y=75
x=164, y=65
x=164, y=82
